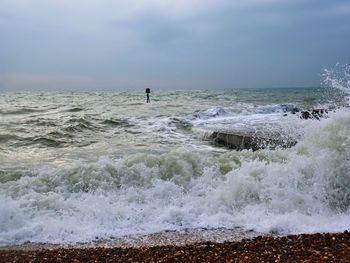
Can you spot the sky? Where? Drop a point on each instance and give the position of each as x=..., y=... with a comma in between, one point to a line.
x=170, y=44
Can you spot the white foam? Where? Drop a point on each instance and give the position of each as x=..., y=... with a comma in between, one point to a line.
x=301, y=189
x=212, y=113
x=338, y=78
x=289, y=107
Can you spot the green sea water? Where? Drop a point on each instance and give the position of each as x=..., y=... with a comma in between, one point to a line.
x=80, y=165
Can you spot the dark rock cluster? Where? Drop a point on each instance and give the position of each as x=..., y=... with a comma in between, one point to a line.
x=296, y=248
x=314, y=114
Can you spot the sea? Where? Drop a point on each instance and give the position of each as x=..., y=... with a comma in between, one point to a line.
x=80, y=166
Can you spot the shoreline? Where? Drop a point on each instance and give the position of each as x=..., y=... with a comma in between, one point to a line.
x=318, y=247
x=163, y=238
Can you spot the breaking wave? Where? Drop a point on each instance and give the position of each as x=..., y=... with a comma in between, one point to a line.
x=147, y=173
x=301, y=189
x=211, y=113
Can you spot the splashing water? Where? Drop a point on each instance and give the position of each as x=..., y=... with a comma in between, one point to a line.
x=75, y=166
x=338, y=77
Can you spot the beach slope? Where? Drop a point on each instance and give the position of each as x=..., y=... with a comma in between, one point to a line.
x=324, y=247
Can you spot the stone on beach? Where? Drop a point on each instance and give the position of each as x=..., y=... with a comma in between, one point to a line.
x=317, y=247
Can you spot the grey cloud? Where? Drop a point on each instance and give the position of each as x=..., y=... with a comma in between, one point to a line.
x=258, y=43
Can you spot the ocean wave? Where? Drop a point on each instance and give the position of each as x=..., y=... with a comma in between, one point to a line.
x=47, y=141
x=149, y=171
x=41, y=122
x=20, y=111
x=4, y=138
x=181, y=124
x=116, y=122
x=300, y=189
x=75, y=109
x=211, y=113
x=78, y=124
x=289, y=107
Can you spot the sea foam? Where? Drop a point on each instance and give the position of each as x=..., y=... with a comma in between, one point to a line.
x=301, y=189
x=151, y=172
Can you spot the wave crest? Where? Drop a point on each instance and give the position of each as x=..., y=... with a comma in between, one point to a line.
x=211, y=113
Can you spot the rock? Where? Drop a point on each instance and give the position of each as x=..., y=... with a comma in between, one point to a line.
x=314, y=114
x=305, y=115
x=321, y=248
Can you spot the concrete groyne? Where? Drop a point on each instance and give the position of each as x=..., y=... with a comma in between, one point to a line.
x=247, y=139
x=241, y=141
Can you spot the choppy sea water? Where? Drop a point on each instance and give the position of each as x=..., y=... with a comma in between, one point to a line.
x=79, y=165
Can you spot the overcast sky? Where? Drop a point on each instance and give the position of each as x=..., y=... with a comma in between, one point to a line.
x=122, y=44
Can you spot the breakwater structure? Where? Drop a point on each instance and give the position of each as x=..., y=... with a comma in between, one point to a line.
x=247, y=138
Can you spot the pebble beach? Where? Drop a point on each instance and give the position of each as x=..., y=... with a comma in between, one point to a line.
x=325, y=247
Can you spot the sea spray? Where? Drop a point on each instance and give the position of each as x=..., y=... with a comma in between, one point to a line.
x=302, y=189
x=337, y=79
x=144, y=172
